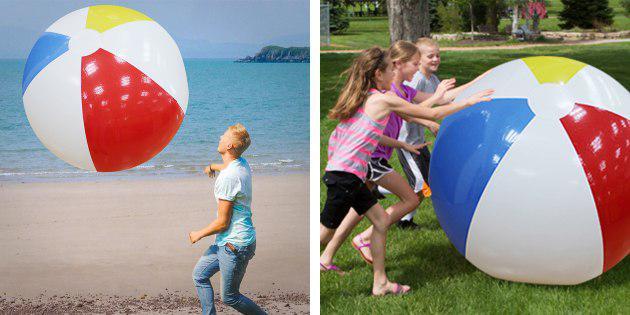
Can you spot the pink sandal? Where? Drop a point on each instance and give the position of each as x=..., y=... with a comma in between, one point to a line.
x=331, y=267
x=361, y=245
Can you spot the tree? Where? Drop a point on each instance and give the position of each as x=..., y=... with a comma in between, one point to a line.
x=585, y=14
x=515, y=5
x=493, y=14
x=339, y=21
x=535, y=10
x=408, y=19
x=450, y=17
x=473, y=13
x=436, y=23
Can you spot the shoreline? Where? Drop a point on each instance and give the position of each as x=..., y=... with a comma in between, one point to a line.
x=125, y=241
x=106, y=177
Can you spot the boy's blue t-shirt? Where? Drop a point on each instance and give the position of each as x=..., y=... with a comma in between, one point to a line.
x=234, y=184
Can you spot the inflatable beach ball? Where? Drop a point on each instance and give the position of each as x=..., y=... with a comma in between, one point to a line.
x=534, y=186
x=104, y=88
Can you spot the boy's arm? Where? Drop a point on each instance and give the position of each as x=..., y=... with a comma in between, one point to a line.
x=220, y=224
x=212, y=168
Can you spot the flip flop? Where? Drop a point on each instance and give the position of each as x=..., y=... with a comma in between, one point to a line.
x=331, y=267
x=398, y=290
x=361, y=245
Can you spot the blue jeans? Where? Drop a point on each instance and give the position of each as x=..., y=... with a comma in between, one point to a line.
x=232, y=265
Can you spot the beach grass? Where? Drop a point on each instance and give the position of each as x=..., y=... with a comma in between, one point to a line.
x=365, y=32
x=442, y=280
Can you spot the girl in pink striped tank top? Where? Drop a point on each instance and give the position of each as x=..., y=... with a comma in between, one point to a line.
x=363, y=114
x=353, y=141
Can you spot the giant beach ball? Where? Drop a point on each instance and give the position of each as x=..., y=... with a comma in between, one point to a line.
x=534, y=186
x=104, y=88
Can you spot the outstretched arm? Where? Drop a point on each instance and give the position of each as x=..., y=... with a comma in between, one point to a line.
x=212, y=168
x=393, y=143
x=220, y=224
x=430, y=124
x=437, y=98
x=401, y=106
x=450, y=95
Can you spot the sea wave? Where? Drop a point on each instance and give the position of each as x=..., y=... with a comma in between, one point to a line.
x=145, y=170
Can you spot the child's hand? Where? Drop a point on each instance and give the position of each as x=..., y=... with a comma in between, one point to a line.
x=415, y=148
x=482, y=96
x=433, y=127
x=412, y=148
x=209, y=171
x=441, y=89
x=194, y=236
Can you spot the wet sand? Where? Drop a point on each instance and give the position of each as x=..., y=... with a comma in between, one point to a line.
x=122, y=246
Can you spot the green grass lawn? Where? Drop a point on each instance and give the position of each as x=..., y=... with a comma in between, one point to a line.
x=369, y=31
x=442, y=280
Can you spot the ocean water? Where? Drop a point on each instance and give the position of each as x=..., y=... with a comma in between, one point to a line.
x=271, y=100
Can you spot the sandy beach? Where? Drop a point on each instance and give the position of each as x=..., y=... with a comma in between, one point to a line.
x=122, y=245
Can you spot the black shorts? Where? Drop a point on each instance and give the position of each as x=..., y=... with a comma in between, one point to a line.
x=345, y=191
x=416, y=167
x=377, y=168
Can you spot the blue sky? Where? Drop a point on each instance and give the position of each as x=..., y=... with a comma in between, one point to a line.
x=214, y=29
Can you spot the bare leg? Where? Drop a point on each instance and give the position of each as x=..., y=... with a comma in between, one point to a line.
x=341, y=234
x=409, y=216
x=325, y=234
x=380, y=221
x=396, y=184
x=333, y=243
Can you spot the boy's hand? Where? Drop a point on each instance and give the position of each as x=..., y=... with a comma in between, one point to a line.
x=209, y=171
x=441, y=89
x=194, y=236
x=482, y=96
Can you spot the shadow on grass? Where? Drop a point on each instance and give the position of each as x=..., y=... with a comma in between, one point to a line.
x=429, y=263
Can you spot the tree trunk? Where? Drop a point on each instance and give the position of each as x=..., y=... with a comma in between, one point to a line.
x=514, y=19
x=408, y=19
x=492, y=20
x=472, y=20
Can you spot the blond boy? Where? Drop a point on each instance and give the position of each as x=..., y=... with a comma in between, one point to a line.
x=236, y=237
x=416, y=166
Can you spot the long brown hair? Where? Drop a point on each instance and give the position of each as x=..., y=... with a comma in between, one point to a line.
x=403, y=51
x=360, y=79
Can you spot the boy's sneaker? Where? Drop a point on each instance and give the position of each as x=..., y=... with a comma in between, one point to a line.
x=407, y=225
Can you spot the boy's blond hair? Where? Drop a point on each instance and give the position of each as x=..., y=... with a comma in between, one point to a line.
x=241, y=138
x=426, y=42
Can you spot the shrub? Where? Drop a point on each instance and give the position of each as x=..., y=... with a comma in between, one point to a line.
x=586, y=14
x=450, y=17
